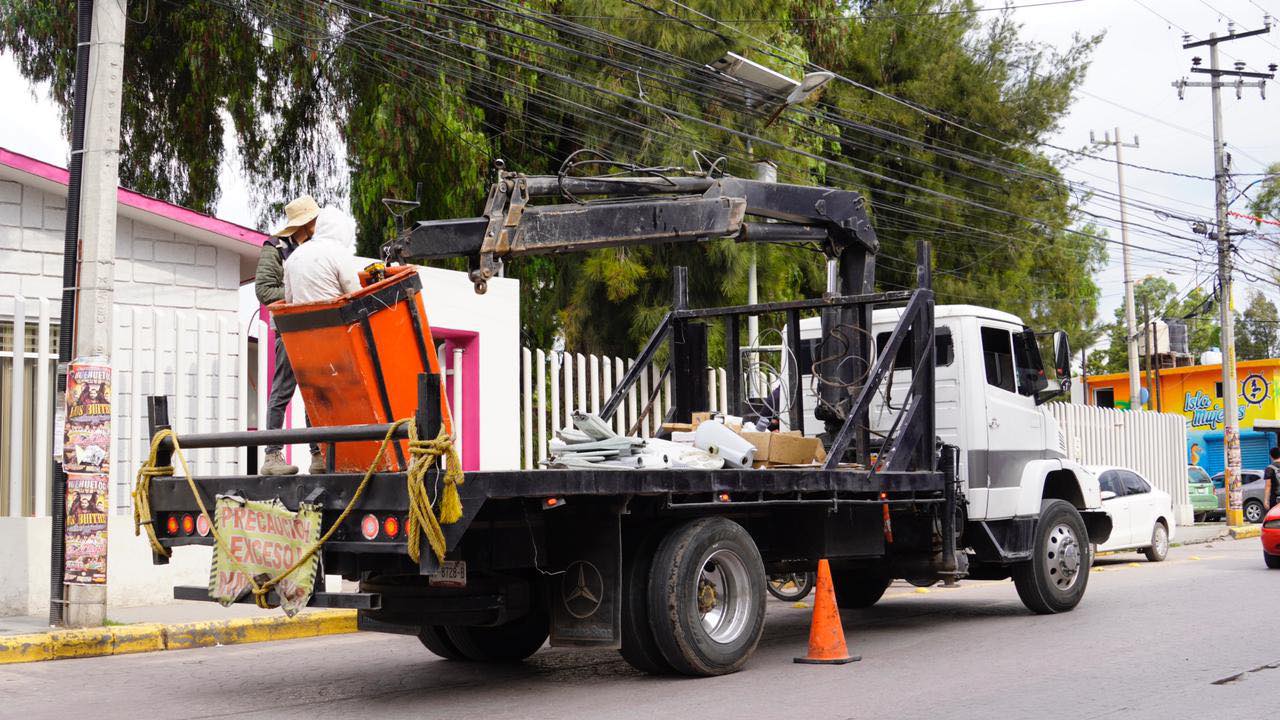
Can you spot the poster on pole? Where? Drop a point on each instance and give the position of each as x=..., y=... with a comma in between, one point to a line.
x=87, y=430
x=86, y=529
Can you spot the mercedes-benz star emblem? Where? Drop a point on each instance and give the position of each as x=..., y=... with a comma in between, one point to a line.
x=583, y=589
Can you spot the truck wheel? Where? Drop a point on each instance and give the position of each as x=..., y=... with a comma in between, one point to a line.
x=858, y=588
x=1055, y=577
x=436, y=639
x=639, y=648
x=1159, y=549
x=511, y=642
x=707, y=597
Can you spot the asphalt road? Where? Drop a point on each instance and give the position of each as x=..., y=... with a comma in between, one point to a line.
x=1188, y=638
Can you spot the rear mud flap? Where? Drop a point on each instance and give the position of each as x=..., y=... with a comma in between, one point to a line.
x=585, y=543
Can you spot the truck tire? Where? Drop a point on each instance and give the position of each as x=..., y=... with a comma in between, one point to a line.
x=707, y=597
x=510, y=642
x=858, y=588
x=639, y=648
x=436, y=639
x=1055, y=577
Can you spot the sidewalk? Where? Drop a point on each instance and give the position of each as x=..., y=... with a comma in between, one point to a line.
x=174, y=626
x=1209, y=532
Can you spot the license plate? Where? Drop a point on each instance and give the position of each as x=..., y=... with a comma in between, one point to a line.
x=452, y=573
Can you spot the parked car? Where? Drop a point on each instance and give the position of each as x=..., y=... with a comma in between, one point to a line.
x=1141, y=515
x=1271, y=538
x=1204, y=503
x=1251, y=483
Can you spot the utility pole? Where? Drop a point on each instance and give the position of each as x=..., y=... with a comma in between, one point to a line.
x=1221, y=161
x=86, y=604
x=1130, y=312
x=1148, y=327
x=765, y=171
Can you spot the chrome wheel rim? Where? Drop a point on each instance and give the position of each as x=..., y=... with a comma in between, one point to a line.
x=1253, y=512
x=1162, y=540
x=1063, y=557
x=723, y=596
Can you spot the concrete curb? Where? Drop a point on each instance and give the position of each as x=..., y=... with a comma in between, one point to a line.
x=152, y=637
x=1249, y=531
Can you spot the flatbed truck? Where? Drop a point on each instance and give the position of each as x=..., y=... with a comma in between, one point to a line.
x=669, y=566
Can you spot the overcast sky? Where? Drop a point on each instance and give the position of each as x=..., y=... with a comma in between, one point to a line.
x=1128, y=85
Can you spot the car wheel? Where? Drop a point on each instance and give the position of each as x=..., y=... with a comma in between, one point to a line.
x=707, y=597
x=1159, y=548
x=791, y=587
x=1254, y=512
x=1055, y=577
x=1273, y=561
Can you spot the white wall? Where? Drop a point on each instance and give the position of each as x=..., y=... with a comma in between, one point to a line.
x=451, y=302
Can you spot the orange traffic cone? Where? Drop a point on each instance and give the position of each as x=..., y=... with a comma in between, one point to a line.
x=826, y=635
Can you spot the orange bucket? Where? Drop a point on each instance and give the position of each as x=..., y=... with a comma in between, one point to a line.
x=357, y=359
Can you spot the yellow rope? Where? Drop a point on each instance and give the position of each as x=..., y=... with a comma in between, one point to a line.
x=422, y=517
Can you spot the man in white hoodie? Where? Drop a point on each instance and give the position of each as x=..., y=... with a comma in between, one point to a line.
x=324, y=265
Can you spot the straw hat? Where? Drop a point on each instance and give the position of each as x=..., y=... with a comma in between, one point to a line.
x=297, y=213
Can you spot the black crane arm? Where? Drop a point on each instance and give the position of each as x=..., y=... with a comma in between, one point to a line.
x=644, y=210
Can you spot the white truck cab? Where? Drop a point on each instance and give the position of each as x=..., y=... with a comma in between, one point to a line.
x=990, y=390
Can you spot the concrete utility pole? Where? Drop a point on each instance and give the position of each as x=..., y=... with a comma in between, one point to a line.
x=1130, y=312
x=1221, y=162
x=100, y=180
x=765, y=171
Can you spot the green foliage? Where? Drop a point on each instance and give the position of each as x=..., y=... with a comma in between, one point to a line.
x=1267, y=202
x=1258, y=329
x=408, y=94
x=1156, y=298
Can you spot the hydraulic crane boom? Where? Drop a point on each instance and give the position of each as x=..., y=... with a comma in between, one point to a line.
x=638, y=211
x=653, y=209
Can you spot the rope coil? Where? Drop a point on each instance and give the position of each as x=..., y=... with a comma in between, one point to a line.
x=422, y=517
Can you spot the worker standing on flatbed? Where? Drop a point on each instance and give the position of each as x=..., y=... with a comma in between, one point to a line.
x=268, y=285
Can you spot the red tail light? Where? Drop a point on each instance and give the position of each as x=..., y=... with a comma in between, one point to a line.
x=188, y=524
x=172, y=525
x=391, y=526
x=369, y=527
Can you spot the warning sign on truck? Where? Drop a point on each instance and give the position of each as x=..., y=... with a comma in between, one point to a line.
x=262, y=540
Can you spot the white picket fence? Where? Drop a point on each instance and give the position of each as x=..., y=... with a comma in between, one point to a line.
x=555, y=384
x=1154, y=444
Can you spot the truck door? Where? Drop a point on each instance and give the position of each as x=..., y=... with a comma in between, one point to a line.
x=1014, y=425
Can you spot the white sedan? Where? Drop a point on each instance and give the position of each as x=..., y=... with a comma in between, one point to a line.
x=1141, y=515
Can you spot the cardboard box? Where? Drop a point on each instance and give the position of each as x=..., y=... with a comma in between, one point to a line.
x=785, y=448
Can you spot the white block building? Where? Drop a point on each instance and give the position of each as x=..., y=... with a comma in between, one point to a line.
x=186, y=328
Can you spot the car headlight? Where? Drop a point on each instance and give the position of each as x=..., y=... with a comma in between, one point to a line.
x=1272, y=524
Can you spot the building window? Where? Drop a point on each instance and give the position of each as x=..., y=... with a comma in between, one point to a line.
x=1104, y=397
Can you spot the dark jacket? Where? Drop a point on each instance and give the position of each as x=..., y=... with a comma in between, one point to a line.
x=1271, y=476
x=268, y=281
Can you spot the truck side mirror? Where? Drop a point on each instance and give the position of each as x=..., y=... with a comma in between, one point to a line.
x=1061, y=355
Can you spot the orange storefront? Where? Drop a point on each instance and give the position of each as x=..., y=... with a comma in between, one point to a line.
x=1196, y=392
